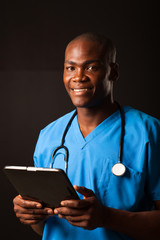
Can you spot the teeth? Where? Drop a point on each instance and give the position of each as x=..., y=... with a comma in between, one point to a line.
x=80, y=90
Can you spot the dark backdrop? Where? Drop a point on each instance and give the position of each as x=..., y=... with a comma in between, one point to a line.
x=33, y=35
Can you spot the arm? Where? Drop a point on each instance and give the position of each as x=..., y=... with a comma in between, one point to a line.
x=31, y=213
x=89, y=213
x=139, y=225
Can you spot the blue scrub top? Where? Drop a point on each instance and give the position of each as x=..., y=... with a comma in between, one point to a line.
x=91, y=160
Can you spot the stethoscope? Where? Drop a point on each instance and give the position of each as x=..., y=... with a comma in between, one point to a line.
x=118, y=169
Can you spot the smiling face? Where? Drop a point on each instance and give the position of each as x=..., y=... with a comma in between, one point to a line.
x=87, y=73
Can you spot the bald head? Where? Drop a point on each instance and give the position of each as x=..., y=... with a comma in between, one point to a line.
x=108, y=47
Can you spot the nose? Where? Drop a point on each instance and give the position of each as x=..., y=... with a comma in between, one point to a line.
x=80, y=76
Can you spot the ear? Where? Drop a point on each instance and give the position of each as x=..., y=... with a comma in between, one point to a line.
x=114, y=73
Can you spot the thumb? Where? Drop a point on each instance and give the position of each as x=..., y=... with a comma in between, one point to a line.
x=84, y=191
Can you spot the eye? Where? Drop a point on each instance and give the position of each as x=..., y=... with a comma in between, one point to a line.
x=92, y=68
x=70, y=68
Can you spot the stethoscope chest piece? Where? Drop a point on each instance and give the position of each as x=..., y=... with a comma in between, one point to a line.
x=118, y=169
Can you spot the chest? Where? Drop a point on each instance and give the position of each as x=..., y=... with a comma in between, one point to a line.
x=90, y=164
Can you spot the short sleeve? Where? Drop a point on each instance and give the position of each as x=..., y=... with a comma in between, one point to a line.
x=153, y=177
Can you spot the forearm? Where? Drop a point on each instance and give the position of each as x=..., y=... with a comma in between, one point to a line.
x=38, y=228
x=138, y=225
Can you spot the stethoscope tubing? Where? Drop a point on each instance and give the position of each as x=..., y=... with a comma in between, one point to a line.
x=62, y=146
x=122, y=133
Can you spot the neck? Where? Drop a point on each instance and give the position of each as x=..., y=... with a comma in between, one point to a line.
x=90, y=118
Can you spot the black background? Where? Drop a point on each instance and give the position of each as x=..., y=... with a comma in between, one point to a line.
x=33, y=36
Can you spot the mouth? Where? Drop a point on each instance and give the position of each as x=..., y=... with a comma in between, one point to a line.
x=81, y=91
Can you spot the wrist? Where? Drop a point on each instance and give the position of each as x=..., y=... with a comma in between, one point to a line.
x=105, y=217
x=38, y=227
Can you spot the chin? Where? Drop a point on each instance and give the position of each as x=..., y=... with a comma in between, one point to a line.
x=78, y=105
x=86, y=104
x=79, y=102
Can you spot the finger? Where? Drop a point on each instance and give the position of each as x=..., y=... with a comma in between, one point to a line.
x=29, y=222
x=84, y=191
x=82, y=224
x=69, y=211
x=20, y=201
x=45, y=211
x=75, y=203
x=30, y=216
x=74, y=218
x=31, y=219
x=33, y=216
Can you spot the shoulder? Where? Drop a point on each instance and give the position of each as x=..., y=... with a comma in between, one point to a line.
x=141, y=121
x=58, y=125
x=135, y=115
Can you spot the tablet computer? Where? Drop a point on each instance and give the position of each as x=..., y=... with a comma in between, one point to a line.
x=46, y=185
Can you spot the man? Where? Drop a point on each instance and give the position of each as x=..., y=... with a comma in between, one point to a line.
x=111, y=207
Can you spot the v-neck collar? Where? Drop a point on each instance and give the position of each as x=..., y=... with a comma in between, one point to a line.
x=103, y=125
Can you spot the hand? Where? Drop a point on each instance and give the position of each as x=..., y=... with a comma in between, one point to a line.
x=87, y=213
x=30, y=212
